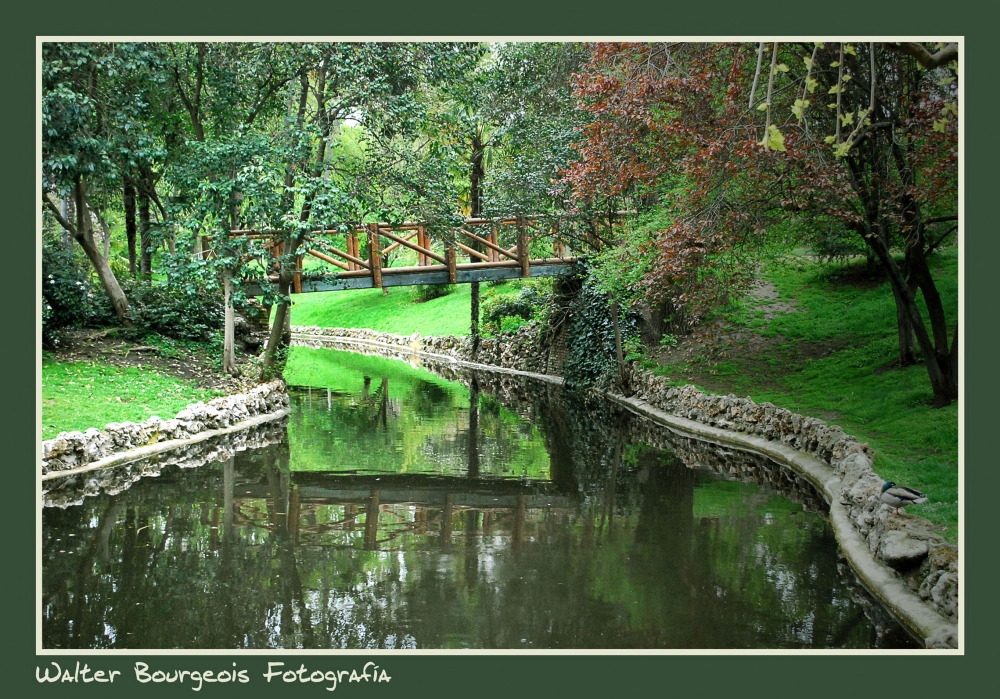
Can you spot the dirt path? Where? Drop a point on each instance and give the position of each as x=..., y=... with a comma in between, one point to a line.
x=727, y=360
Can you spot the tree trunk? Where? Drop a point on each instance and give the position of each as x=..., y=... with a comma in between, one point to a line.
x=84, y=235
x=229, y=340
x=474, y=317
x=943, y=384
x=69, y=213
x=281, y=327
x=146, y=253
x=128, y=200
x=476, y=174
x=907, y=351
x=274, y=342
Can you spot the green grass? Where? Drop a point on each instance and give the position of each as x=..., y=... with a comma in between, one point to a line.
x=396, y=313
x=79, y=395
x=915, y=444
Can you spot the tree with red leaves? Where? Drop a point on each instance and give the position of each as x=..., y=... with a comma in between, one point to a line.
x=737, y=138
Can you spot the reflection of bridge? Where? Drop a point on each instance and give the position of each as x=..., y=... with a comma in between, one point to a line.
x=498, y=248
x=434, y=500
x=416, y=490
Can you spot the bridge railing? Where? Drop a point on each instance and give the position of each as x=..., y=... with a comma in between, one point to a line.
x=364, y=251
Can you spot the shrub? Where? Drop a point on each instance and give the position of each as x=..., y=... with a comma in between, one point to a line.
x=65, y=286
x=184, y=311
x=505, y=314
x=69, y=298
x=427, y=292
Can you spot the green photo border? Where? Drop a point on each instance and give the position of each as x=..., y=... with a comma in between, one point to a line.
x=506, y=675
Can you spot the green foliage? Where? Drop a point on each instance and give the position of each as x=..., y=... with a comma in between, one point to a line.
x=68, y=298
x=429, y=292
x=176, y=309
x=504, y=314
x=530, y=95
x=592, y=357
x=511, y=324
x=633, y=348
x=619, y=270
x=668, y=340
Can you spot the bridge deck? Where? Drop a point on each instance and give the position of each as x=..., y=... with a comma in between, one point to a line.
x=431, y=274
x=359, y=258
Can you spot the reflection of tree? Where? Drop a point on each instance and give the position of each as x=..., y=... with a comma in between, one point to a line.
x=638, y=550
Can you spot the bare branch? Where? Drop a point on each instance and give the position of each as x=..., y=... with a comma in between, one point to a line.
x=756, y=75
x=940, y=219
x=926, y=58
x=58, y=214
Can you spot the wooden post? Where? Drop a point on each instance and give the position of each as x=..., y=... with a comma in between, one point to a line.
x=297, y=279
x=449, y=504
x=523, y=254
x=422, y=242
x=229, y=337
x=375, y=254
x=449, y=254
x=494, y=238
x=557, y=245
x=371, y=522
x=352, y=248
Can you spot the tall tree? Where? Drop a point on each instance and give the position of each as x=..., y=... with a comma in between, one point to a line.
x=77, y=123
x=278, y=169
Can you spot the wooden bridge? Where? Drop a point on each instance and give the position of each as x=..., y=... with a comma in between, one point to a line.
x=362, y=257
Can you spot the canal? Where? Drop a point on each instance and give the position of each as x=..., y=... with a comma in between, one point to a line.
x=400, y=508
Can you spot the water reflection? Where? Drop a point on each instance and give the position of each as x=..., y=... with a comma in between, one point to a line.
x=407, y=511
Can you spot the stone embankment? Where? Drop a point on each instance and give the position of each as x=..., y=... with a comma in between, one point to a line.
x=920, y=557
x=75, y=450
x=519, y=351
x=71, y=489
x=907, y=544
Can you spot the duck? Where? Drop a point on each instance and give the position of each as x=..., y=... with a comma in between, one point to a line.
x=897, y=496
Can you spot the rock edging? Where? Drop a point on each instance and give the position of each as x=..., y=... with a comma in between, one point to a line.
x=921, y=557
x=123, y=441
x=913, y=569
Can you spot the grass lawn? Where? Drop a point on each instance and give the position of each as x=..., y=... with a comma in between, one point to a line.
x=396, y=313
x=78, y=395
x=830, y=358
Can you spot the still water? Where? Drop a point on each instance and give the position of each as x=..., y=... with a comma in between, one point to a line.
x=401, y=509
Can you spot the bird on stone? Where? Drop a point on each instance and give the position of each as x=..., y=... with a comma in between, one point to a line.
x=897, y=496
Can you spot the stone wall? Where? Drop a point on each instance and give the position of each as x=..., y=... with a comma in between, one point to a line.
x=73, y=488
x=908, y=544
x=520, y=350
x=71, y=450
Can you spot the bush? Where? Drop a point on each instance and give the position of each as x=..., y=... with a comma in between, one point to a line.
x=505, y=314
x=186, y=311
x=65, y=287
x=69, y=299
x=427, y=292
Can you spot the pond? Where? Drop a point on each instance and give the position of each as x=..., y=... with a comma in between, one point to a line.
x=400, y=508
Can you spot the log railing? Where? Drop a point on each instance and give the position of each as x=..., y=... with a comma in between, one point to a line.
x=483, y=241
